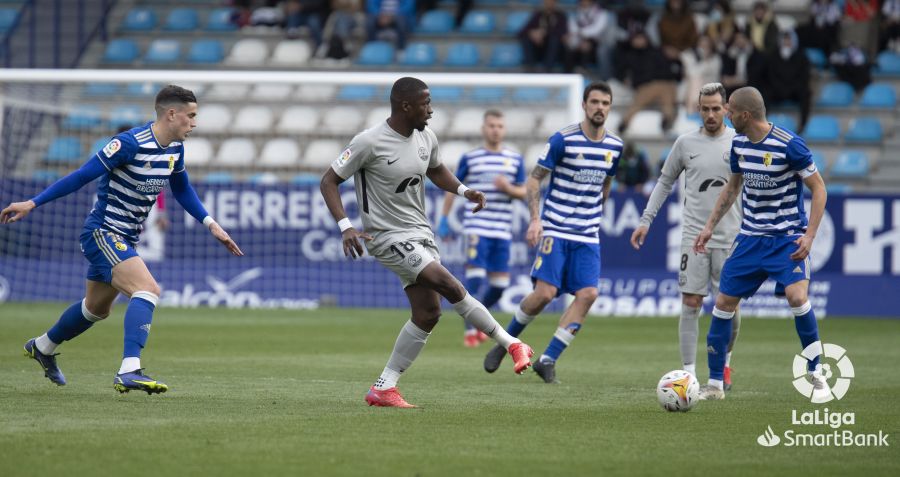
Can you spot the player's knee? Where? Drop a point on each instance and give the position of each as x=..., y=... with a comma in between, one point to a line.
x=95, y=311
x=153, y=288
x=691, y=300
x=587, y=295
x=427, y=318
x=727, y=303
x=797, y=299
x=543, y=297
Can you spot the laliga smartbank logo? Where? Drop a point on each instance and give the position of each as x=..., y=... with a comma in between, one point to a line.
x=835, y=367
x=815, y=386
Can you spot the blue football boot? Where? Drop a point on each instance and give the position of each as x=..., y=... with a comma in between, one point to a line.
x=47, y=362
x=138, y=381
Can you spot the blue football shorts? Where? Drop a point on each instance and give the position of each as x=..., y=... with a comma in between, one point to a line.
x=104, y=250
x=491, y=254
x=566, y=264
x=758, y=257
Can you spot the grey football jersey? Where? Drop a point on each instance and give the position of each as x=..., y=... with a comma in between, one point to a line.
x=389, y=175
x=705, y=163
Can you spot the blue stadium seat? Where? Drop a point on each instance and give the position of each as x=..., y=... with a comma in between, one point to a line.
x=506, y=55
x=462, y=55
x=64, y=149
x=879, y=95
x=816, y=57
x=220, y=20
x=44, y=175
x=98, y=145
x=435, y=22
x=163, y=51
x=182, y=19
x=865, y=129
x=206, y=52
x=357, y=92
x=838, y=189
x=888, y=63
x=448, y=94
x=376, y=53
x=8, y=17
x=820, y=161
x=419, y=54
x=783, y=121
x=531, y=94
x=515, y=21
x=851, y=164
x=478, y=22
x=82, y=116
x=101, y=89
x=837, y=94
x=822, y=127
x=139, y=19
x=306, y=179
x=218, y=177
x=121, y=50
x=488, y=94
x=127, y=115
x=142, y=90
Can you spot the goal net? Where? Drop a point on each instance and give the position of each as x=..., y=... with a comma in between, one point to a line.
x=263, y=140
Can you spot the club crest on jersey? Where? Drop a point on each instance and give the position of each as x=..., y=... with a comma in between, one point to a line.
x=767, y=159
x=423, y=154
x=609, y=157
x=171, y=162
x=121, y=246
x=112, y=147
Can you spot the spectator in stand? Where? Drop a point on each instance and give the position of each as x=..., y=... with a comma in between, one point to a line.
x=859, y=25
x=761, y=28
x=632, y=18
x=390, y=17
x=543, y=35
x=788, y=76
x=345, y=17
x=305, y=13
x=850, y=65
x=653, y=77
x=823, y=28
x=634, y=170
x=702, y=65
x=742, y=65
x=591, y=29
x=722, y=25
x=889, y=38
x=676, y=29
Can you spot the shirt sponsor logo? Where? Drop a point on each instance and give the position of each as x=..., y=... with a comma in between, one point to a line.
x=590, y=176
x=759, y=181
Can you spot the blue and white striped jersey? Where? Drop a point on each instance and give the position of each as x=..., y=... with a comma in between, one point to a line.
x=139, y=169
x=477, y=169
x=773, y=171
x=573, y=204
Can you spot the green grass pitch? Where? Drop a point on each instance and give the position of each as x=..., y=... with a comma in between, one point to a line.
x=281, y=393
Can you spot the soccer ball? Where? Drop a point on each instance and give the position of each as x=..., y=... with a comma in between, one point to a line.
x=678, y=391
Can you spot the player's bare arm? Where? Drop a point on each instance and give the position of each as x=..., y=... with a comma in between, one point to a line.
x=817, y=209
x=443, y=178
x=723, y=203
x=533, y=195
x=350, y=236
x=502, y=183
x=16, y=211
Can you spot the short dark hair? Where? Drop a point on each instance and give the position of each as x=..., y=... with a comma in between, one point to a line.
x=493, y=113
x=601, y=86
x=406, y=88
x=171, y=95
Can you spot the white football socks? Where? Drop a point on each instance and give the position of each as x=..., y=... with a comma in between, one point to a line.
x=409, y=343
x=45, y=344
x=130, y=364
x=475, y=313
x=688, y=329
